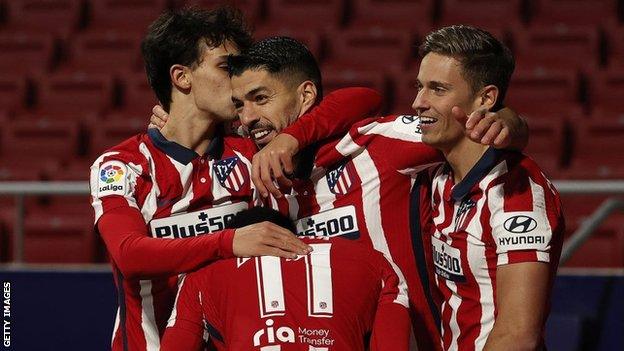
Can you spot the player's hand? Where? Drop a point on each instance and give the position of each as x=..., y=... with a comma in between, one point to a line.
x=274, y=162
x=158, y=118
x=499, y=129
x=267, y=239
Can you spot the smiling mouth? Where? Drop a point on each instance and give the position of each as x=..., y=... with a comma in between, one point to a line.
x=260, y=133
x=427, y=120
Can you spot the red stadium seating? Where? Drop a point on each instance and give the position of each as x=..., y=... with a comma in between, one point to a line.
x=491, y=15
x=371, y=48
x=615, y=43
x=126, y=16
x=560, y=47
x=543, y=92
x=77, y=92
x=335, y=79
x=118, y=127
x=605, y=248
x=573, y=12
x=106, y=51
x=138, y=96
x=606, y=91
x=253, y=10
x=414, y=15
x=13, y=90
x=318, y=14
x=59, y=17
x=310, y=38
x=58, y=238
x=546, y=143
x=26, y=53
x=42, y=139
x=598, y=150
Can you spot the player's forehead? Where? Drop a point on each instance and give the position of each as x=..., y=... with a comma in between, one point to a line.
x=220, y=52
x=435, y=67
x=253, y=81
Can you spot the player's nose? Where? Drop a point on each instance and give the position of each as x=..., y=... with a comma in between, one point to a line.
x=248, y=116
x=420, y=103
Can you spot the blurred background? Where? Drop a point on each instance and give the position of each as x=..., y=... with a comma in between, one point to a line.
x=72, y=84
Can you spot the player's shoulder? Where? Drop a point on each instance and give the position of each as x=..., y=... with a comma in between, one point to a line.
x=401, y=127
x=127, y=151
x=239, y=145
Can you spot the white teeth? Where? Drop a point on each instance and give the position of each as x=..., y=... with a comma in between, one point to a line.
x=424, y=119
x=261, y=134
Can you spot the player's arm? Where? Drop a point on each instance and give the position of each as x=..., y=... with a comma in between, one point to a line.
x=391, y=329
x=139, y=256
x=521, y=299
x=334, y=116
x=185, y=327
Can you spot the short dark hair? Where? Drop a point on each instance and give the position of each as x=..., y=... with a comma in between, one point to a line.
x=175, y=38
x=260, y=214
x=282, y=56
x=485, y=60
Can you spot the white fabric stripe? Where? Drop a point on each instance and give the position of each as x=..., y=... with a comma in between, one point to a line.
x=186, y=179
x=454, y=303
x=150, y=205
x=346, y=146
x=238, y=175
x=326, y=200
x=272, y=285
x=248, y=165
x=364, y=165
x=386, y=129
x=148, y=320
x=174, y=314
x=117, y=322
x=293, y=207
x=413, y=171
x=94, y=176
x=321, y=288
x=539, y=208
x=477, y=262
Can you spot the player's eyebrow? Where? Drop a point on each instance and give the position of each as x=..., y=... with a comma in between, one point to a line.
x=250, y=94
x=438, y=84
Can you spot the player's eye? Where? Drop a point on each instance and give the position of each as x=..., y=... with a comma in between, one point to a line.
x=261, y=99
x=238, y=104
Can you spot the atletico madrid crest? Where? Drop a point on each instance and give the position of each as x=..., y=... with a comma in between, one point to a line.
x=231, y=173
x=340, y=179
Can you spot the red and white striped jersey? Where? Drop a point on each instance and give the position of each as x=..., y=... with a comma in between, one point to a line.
x=504, y=211
x=180, y=195
x=332, y=299
x=359, y=188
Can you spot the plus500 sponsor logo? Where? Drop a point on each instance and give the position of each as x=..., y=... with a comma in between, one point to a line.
x=195, y=223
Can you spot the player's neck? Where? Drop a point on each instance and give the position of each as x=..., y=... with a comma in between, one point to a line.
x=190, y=127
x=463, y=156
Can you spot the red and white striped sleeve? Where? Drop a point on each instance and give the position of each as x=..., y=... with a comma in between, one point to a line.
x=396, y=140
x=525, y=215
x=391, y=329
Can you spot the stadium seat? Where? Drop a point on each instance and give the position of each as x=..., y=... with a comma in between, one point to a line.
x=125, y=16
x=573, y=12
x=335, y=79
x=106, y=51
x=42, y=139
x=13, y=93
x=615, y=44
x=310, y=38
x=58, y=238
x=253, y=10
x=24, y=53
x=138, y=98
x=543, y=92
x=598, y=150
x=317, y=15
x=373, y=48
x=546, y=143
x=75, y=92
x=491, y=15
x=119, y=126
x=404, y=91
x=605, y=95
x=560, y=47
x=605, y=248
x=410, y=16
x=59, y=17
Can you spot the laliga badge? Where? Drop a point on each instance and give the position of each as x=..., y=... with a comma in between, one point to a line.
x=112, y=178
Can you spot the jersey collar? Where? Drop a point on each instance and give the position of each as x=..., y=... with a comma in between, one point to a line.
x=182, y=154
x=487, y=161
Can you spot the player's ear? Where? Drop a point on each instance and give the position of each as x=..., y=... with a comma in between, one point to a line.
x=307, y=94
x=487, y=97
x=180, y=77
